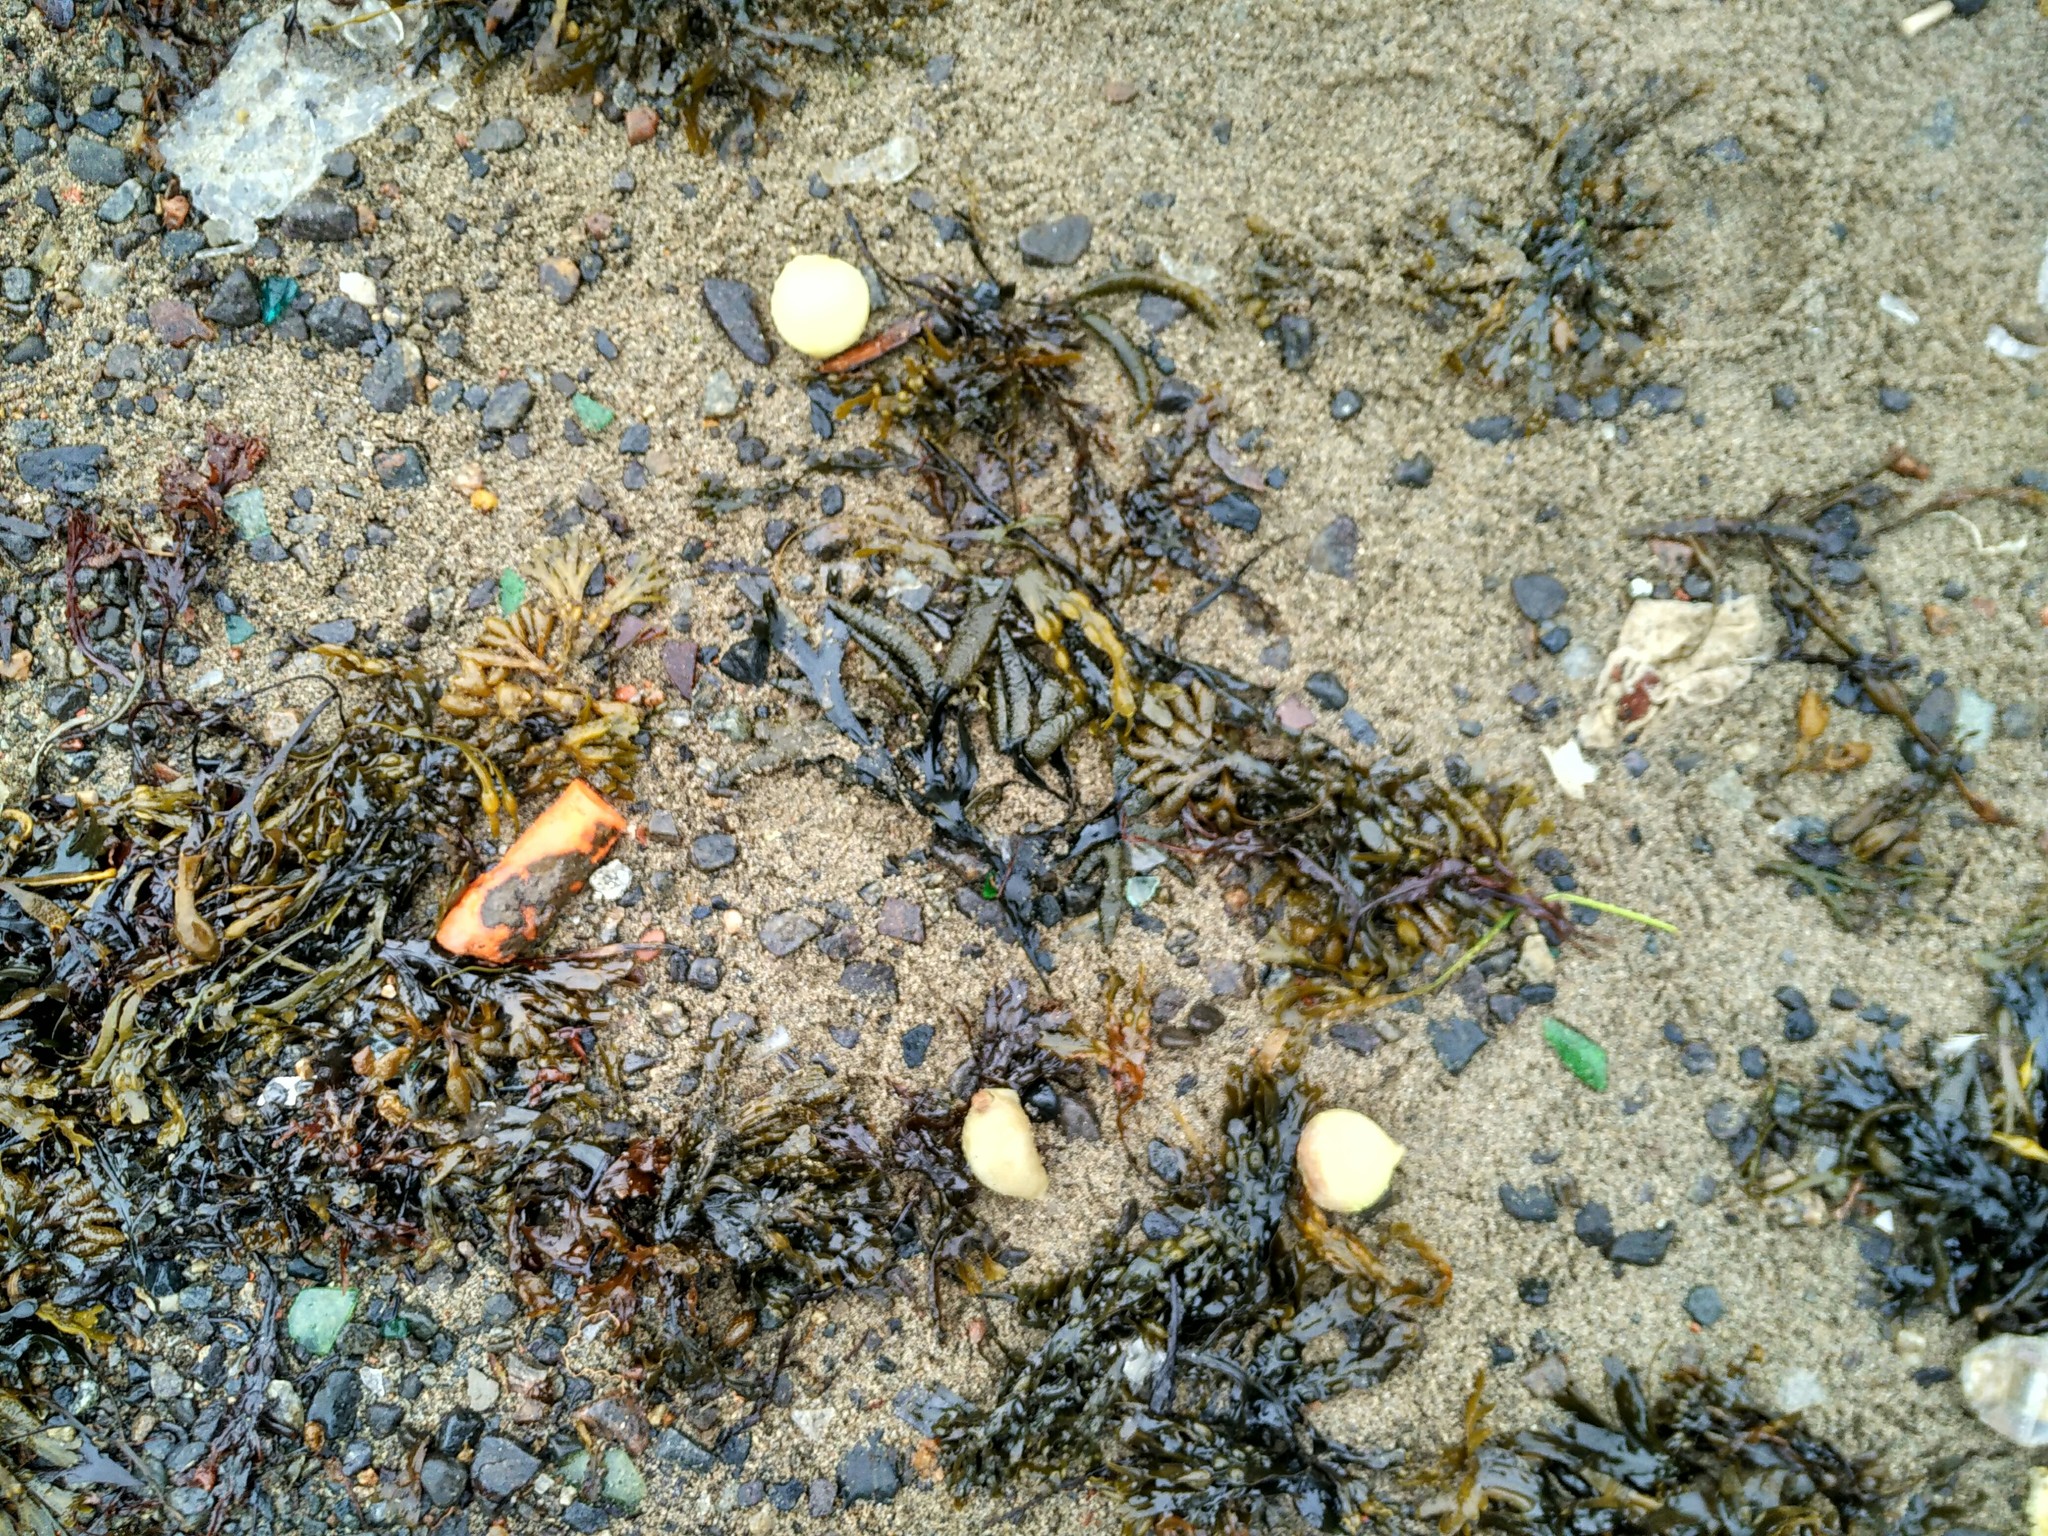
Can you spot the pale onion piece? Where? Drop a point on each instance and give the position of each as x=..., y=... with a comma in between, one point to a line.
x=1001, y=1153
x=819, y=304
x=1345, y=1160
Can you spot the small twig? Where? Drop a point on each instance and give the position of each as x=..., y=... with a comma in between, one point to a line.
x=1572, y=900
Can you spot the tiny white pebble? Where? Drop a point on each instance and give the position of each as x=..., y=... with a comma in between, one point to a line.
x=358, y=286
x=610, y=880
x=1640, y=586
x=819, y=304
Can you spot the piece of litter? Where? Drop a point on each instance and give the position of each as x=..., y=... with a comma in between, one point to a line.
x=884, y=165
x=511, y=591
x=1569, y=767
x=1668, y=653
x=1584, y=1057
x=610, y=880
x=1898, y=308
x=1640, y=586
x=1976, y=721
x=260, y=135
x=2002, y=343
x=1139, y=889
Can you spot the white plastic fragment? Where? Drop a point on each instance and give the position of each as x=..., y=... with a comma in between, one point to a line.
x=819, y=304
x=883, y=166
x=1569, y=767
x=1640, y=586
x=2005, y=1382
x=1668, y=653
x=1898, y=309
x=1140, y=1361
x=284, y=1092
x=1799, y=1389
x=2017, y=546
x=260, y=135
x=2002, y=343
x=1976, y=720
x=1925, y=17
x=611, y=880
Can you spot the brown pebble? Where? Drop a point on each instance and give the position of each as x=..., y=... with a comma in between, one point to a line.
x=176, y=323
x=176, y=211
x=1117, y=92
x=1939, y=620
x=641, y=123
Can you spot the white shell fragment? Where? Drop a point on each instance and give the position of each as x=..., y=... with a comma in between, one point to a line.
x=2002, y=343
x=1668, y=652
x=819, y=304
x=2005, y=1382
x=1898, y=309
x=1345, y=1160
x=997, y=1142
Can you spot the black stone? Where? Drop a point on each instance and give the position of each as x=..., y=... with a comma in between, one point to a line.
x=1594, y=1226
x=1334, y=550
x=1540, y=596
x=916, y=1044
x=1800, y=1025
x=336, y=1404
x=236, y=300
x=1535, y=1292
x=1895, y=401
x=712, y=851
x=1456, y=1042
x=1661, y=399
x=459, y=1427
x=1345, y=404
x=502, y=1467
x=746, y=660
x=340, y=322
x=1532, y=1204
x=96, y=164
x=1415, y=473
x=1326, y=689
x=1362, y=1038
x=1057, y=242
x=443, y=1481
x=869, y=978
x=507, y=406
x=1236, y=510
x=732, y=305
x=870, y=1472
x=73, y=471
x=1492, y=429
x=1170, y=1163
x=333, y=631
x=1754, y=1063
x=319, y=218
x=1644, y=1247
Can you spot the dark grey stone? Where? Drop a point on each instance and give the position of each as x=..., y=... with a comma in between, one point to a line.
x=1645, y=1247
x=679, y=1450
x=237, y=301
x=393, y=380
x=1540, y=596
x=916, y=1043
x=508, y=406
x=1236, y=510
x=1327, y=689
x=340, y=322
x=870, y=978
x=320, y=219
x=1532, y=1204
x=336, y=1404
x=870, y=1472
x=1345, y=404
x=1416, y=473
x=784, y=933
x=1594, y=1225
x=70, y=471
x=1494, y=429
x=712, y=851
x=1057, y=242
x=1297, y=342
x=442, y=304
x=732, y=305
x=444, y=1482
x=1334, y=550
x=1704, y=1306
x=94, y=163
x=1456, y=1042
x=502, y=1467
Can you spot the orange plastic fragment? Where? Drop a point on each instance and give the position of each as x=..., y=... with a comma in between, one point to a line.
x=510, y=906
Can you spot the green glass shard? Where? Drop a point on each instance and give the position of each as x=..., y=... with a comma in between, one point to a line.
x=1584, y=1058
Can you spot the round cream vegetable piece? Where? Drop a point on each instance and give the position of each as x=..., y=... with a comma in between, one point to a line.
x=996, y=1139
x=820, y=304
x=1346, y=1161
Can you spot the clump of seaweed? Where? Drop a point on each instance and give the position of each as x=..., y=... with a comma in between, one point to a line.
x=1557, y=302
x=1703, y=1455
x=1942, y=1154
x=1174, y=1368
x=1865, y=863
x=527, y=694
